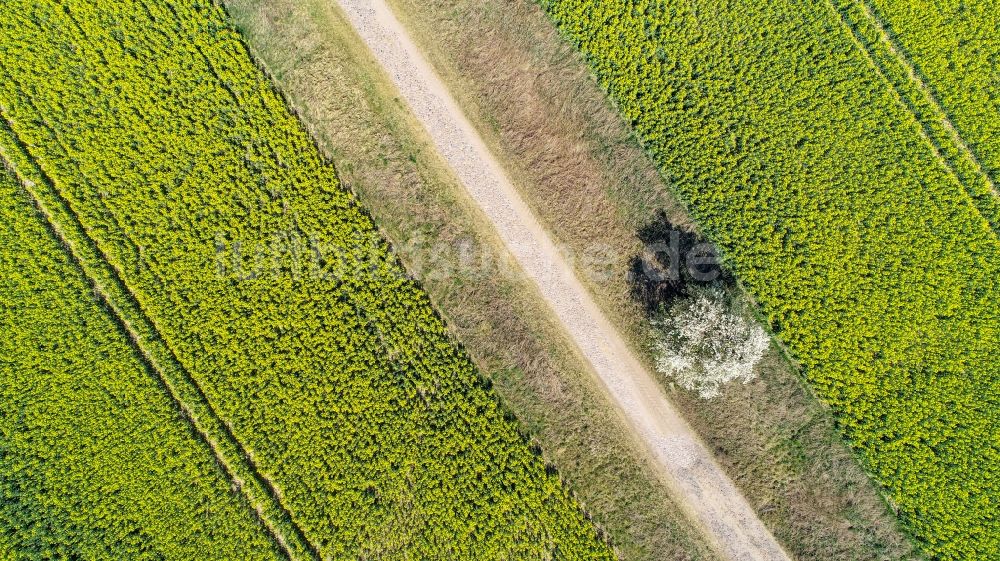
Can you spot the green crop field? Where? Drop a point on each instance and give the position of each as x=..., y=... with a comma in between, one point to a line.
x=95, y=463
x=263, y=296
x=965, y=50
x=954, y=47
x=873, y=260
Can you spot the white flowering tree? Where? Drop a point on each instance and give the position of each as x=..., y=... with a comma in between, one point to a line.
x=703, y=346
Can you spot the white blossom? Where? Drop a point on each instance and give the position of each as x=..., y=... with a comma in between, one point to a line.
x=702, y=346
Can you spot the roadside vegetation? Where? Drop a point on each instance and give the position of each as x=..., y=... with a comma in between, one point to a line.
x=216, y=291
x=169, y=153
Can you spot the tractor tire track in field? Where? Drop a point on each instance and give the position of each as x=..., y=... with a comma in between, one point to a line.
x=686, y=465
x=883, y=52
x=911, y=70
x=236, y=462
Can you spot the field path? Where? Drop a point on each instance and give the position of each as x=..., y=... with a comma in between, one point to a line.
x=699, y=483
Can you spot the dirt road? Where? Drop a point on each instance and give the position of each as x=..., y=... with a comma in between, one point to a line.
x=698, y=482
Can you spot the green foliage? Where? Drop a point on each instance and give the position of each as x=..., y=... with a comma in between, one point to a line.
x=94, y=462
x=272, y=288
x=955, y=47
x=895, y=67
x=869, y=259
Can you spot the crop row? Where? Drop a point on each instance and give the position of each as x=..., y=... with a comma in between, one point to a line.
x=954, y=47
x=158, y=356
x=867, y=256
x=95, y=463
x=892, y=64
x=272, y=288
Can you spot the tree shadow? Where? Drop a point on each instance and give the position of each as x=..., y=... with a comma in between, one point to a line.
x=673, y=262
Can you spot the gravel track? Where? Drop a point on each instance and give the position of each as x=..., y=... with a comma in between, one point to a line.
x=699, y=484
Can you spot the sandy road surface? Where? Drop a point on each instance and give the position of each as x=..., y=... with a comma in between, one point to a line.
x=700, y=485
